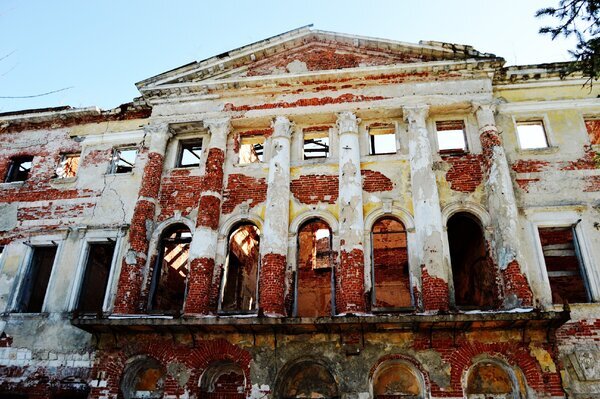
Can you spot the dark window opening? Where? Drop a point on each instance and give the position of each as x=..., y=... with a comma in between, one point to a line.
x=564, y=266
x=95, y=278
x=35, y=284
x=489, y=378
x=19, y=169
x=251, y=149
x=473, y=271
x=451, y=136
x=143, y=378
x=382, y=140
x=315, y=277
x=13, y=395
x=391, y=276
x=223, y=380
x=308, y=380
x=123, y=160
x=395, y=380
x=190, y=152
x=316, y=144
x=169, y=277
x=68, y=166
x=240, y=273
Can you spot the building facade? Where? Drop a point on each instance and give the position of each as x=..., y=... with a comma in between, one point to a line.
x=313, y=215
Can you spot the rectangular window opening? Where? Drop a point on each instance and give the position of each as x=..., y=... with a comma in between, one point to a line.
x=68, y=166
x=19, y=169
x=95, y=277
x=532, y=135
x=251, y=149
x=123, y=160
x=190, y=152
x=35, y=283
x=451, y=136
x=382, y=140
x=563, y=265
x=316, y=144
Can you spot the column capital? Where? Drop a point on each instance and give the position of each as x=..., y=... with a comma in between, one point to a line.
x=282, y=127
x=483, y=106
x=219, y=129
x=416, y=114
x=159, y=134
x=347, y=122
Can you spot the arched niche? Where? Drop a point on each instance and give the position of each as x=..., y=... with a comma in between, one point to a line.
x=223, y=379
x=307, y=379
x=398, y=379
x=491, y=379
x=143, y=377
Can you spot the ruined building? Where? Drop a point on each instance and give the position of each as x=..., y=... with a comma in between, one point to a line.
x=313, y=215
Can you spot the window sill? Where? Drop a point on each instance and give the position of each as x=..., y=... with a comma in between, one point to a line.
x=63, y=180
x=538, y=151
x=11, y=184
x=125, y=174
x=452, y=153
x=20, y=315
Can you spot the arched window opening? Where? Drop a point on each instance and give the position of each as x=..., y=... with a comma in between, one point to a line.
x=397, y=379
x=314, y=280
x=169, y=279
x=223, y=380
x=240, y=272
x=473, y=271
x=391, y=276
x=489, y=379
x=308, y=380
x=143, y=378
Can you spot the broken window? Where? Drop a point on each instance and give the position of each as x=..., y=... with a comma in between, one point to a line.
x=315, y=279
x=251, y=149
x=564, y=266
x=35, y=283
x=473, y=271
x=391, y=277
x=19, y=169
x=489, y=380
x=95, y=277
x=240, y=273
x=397, y=379
x=531, y=135
x=308, y=379
x=68, y=166
x=123, y=160
x=143, y=378
x=382, y=140
x=316, y=144
x=451, y=136
x=169, y=277
x=223, y=380
x=189, y=154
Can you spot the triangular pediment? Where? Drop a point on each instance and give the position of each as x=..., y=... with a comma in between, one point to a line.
x=306, y=51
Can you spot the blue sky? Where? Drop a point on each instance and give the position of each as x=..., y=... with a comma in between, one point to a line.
x=101, y=49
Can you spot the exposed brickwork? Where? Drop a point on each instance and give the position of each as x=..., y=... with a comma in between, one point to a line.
x=350, y=293
x=272, y=281
x=179, y=191
x=374, y=181
x=529, y=165
x=592, y=184
x=312, y=189
x=516, y=283
x=465, y=173
x=593, y=129
x=199, y=286
x=525, y=183
x=435, y=293
x=305, y=102
x=241, y=188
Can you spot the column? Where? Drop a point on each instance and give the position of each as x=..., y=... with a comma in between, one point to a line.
x=203, y=247
x=274, y=242
x=350, y=291
x=502, y=207
x=429, y=230
x=128, y=299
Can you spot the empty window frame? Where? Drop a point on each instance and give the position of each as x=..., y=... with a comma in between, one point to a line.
x=35, y=282
x=251, y=149
x=19, y=169
x=391, y=277
x=382, y=140
x=451, y=136
x=68, y=166
x=308, y=379
x=314, y=277
x=531, y=134
x=316, y=144
x=562, y=257
x=189, y=153
x=95, y=277
x=170, y=273
x=223, y=379
x=473, y=272
x=239, y=281
x=397, y=379
x=143, y=378
x=489, y=379
x=123, y=160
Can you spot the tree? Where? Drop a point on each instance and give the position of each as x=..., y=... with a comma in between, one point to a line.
x=581, y=19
